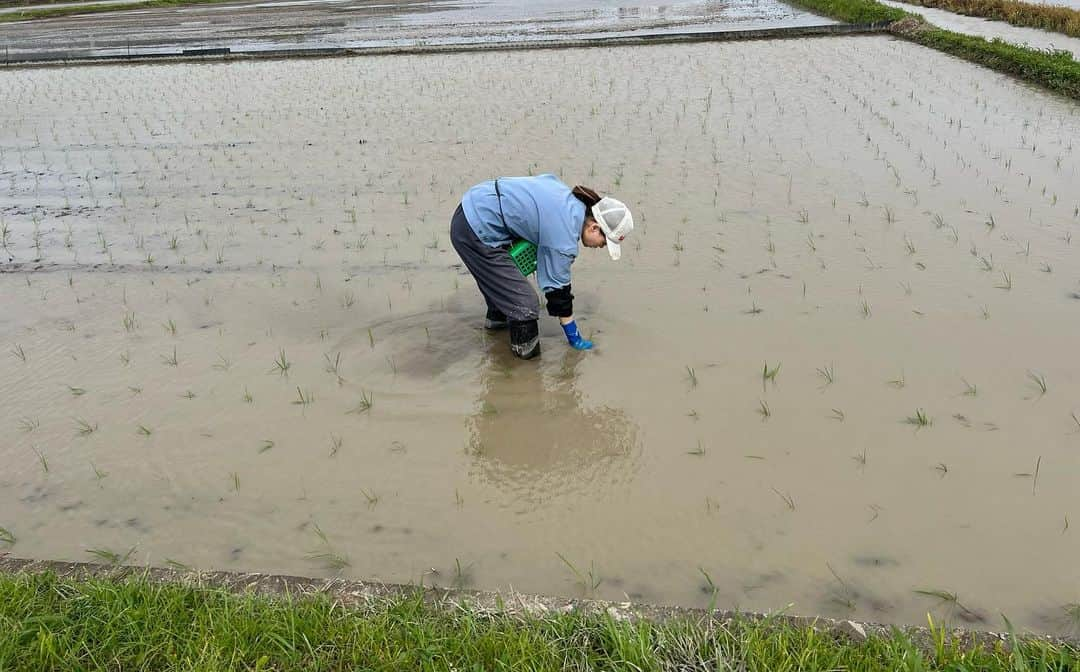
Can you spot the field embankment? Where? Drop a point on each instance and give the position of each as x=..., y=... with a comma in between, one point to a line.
x=93, y=619
x=1046, y=17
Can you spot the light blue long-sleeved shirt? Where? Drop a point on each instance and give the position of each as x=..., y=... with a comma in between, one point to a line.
x=540, y=209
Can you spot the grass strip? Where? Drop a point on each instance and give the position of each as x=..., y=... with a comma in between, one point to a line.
x=1046, y=17
x=1055, y=70
x=52, y=623
x=53, y=12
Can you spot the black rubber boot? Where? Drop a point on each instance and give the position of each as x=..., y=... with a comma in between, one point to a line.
x=525, y=339
x=495, y=320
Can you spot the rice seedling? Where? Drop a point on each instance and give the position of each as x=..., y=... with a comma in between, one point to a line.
x=969, y=389
x=691, y=376
x=860, y=458
x=169, y=327
x=170, y=360
x=827, y=374
x=371, y=338
x=235, y=479
x=110, y=557
x=265, y=445
x=130, y=323
x=84, y=428
x=6, y=537
x=281, y=364
x=890, y=215
x=764, y=410
x=371, y=498
x=899, y=382
x=699, y=451
x=333, y=365
x=838, y=415
x=143, y=430
x=953, y=601
x=769, y=375
x=919, y=419
x=329, y=559
x=189, y=395
x=41, y=460
x=1075, y=420
x=789, y=501
x=1006, y=281
x=1035, y=476
x=223, y=364
x=347, y=299
x=864, y=307
x=1039, y=382
x=248, y=398
x=367, y=400
x=28, y=424
x=942, y=469
x=589, y=581
x=18, y=353
x=908, y=245
x=303, y=398
x=178, y=566
x=754, y=309
x=335, y=444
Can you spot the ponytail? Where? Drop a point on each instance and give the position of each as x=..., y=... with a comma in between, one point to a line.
x=586, y=196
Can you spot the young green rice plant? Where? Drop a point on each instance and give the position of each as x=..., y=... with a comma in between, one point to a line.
x=947, y=598
x=304, y=398
x=347, y=299
x=789, y=501
x=371, y=498
x=333, y=365
x=827, y=374
x=143, y=430
x=189, y=395
x=41, y=460
x=1006, y=281
x=178, y=566
x=769, y=375
x=919, y=419
x=691, y=376
x=28, y=424
x=1076, y=420
x=335, y=444
x=1035, y=476
x=838, y=415
x=699, y=451
x=169, y=327
x=84, y=428
x=969, y=389
x=265, y=445
x=890, y=215
x=371, y=337
x=76, y=391
x=899, y=382
x=589, y=581
x=860, y=458
x=18, y=353
x=110, y=557
x=1039, y=382
x=248, y=398
x=222, y=364
x=329, y=559
x=130, y=323
x=234, y=478
x=908, y=245
x=764, y=410
x=367, y=400
x=281, y=364
x=170, y=360
x=864, y=307
x=6, y=537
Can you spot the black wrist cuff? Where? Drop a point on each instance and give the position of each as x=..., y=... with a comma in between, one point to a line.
x=560, y=302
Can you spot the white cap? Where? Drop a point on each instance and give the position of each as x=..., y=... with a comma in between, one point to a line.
x=615, y=221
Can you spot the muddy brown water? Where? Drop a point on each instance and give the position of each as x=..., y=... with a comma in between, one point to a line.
x=857, y=206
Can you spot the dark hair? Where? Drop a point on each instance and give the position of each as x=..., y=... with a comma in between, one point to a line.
x=586, y=196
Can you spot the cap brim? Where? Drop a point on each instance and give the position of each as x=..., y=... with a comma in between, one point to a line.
x=614, y=249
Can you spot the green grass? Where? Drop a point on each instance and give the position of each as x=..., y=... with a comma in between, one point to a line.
x=854, y=11
x=97, y=624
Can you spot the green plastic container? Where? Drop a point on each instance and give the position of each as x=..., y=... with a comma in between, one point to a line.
x=524, y=255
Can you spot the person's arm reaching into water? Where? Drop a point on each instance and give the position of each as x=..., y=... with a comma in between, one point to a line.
x=553, y=276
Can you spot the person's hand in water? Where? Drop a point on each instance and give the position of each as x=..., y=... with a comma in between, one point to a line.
x=574, y=338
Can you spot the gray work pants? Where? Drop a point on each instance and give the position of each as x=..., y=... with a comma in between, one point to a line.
x=500, y=281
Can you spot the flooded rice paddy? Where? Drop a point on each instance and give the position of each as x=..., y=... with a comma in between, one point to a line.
x=835, y=367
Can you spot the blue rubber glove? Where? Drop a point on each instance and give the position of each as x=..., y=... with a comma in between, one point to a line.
x=574, y=338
